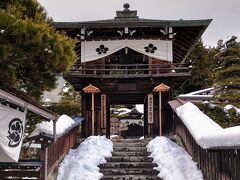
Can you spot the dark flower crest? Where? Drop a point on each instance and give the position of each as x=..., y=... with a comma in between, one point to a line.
x=150, y=48
x=102, y=49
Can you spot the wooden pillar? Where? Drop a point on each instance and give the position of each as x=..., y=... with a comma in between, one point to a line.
x=93, y=117
x=108, y=118
x=160, y=114
x=160, y=88
x=92, y=89
x=87, y=125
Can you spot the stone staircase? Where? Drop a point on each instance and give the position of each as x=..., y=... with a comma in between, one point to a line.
x=129, y=161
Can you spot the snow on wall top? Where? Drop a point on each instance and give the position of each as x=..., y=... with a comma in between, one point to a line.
x=63, y=123
x=205, y=131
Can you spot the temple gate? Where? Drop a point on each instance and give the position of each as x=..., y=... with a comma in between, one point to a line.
x=126, y=58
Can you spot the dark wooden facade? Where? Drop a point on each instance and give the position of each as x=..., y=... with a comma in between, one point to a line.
x=129, y=79
x=101, y=121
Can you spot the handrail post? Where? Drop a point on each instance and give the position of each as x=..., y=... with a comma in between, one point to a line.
x=46, y=164
x=54, y=130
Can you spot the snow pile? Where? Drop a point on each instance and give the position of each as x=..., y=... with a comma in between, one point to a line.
x=115, y=137
x=229, y=107
x=209, y=105
x=205, y=131
x=63, y=123
x=173, y=161
x=82, y=163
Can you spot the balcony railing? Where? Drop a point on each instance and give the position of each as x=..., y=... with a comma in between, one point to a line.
x=117, y=70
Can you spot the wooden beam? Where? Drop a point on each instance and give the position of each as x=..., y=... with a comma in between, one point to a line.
x=178, y=49
x=21, y=103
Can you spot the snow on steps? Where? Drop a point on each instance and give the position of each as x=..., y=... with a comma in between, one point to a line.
x=129, y=161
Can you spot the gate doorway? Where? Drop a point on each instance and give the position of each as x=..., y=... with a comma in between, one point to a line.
x=154, y=119
x=127, y=121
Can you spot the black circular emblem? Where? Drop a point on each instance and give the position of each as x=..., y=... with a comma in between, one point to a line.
x=150, y=48
x=102, y=49
x=15, y=132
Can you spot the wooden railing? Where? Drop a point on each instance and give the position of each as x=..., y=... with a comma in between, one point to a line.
x=216, y=163
x=130, y=69
x=57, y=150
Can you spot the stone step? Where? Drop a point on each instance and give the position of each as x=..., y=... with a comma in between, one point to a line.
x=130, y=177
x=126, y=149
x=131, y=153
x=130, y=140
x=137, y=144
x=128, y=165
x=127, y=171
x=129, y=159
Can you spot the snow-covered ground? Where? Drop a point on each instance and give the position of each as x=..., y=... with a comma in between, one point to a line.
x=82, y=163
x=64, y=122
x=174, y=163
x=205, y=131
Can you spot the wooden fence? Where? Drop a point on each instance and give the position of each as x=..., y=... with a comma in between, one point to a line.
x=215, y=163
x=57, y=150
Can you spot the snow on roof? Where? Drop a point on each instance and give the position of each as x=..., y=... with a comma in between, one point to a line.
x=32, y=145
x=140, y=108
x=82, y=163
x=229, y=37
x=173, y=161
x=198, y=95
x=205, y=131
x=195, y=97
x=201, y=91
x=63, y=123
x=123, y=111
x=78, y=118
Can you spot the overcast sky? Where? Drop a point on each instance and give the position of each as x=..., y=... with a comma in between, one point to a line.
x=225, y=13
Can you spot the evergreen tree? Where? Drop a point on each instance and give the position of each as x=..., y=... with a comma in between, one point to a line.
x=32, y=52
x=227, y=71
x=200, y=78
x=70, y=103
